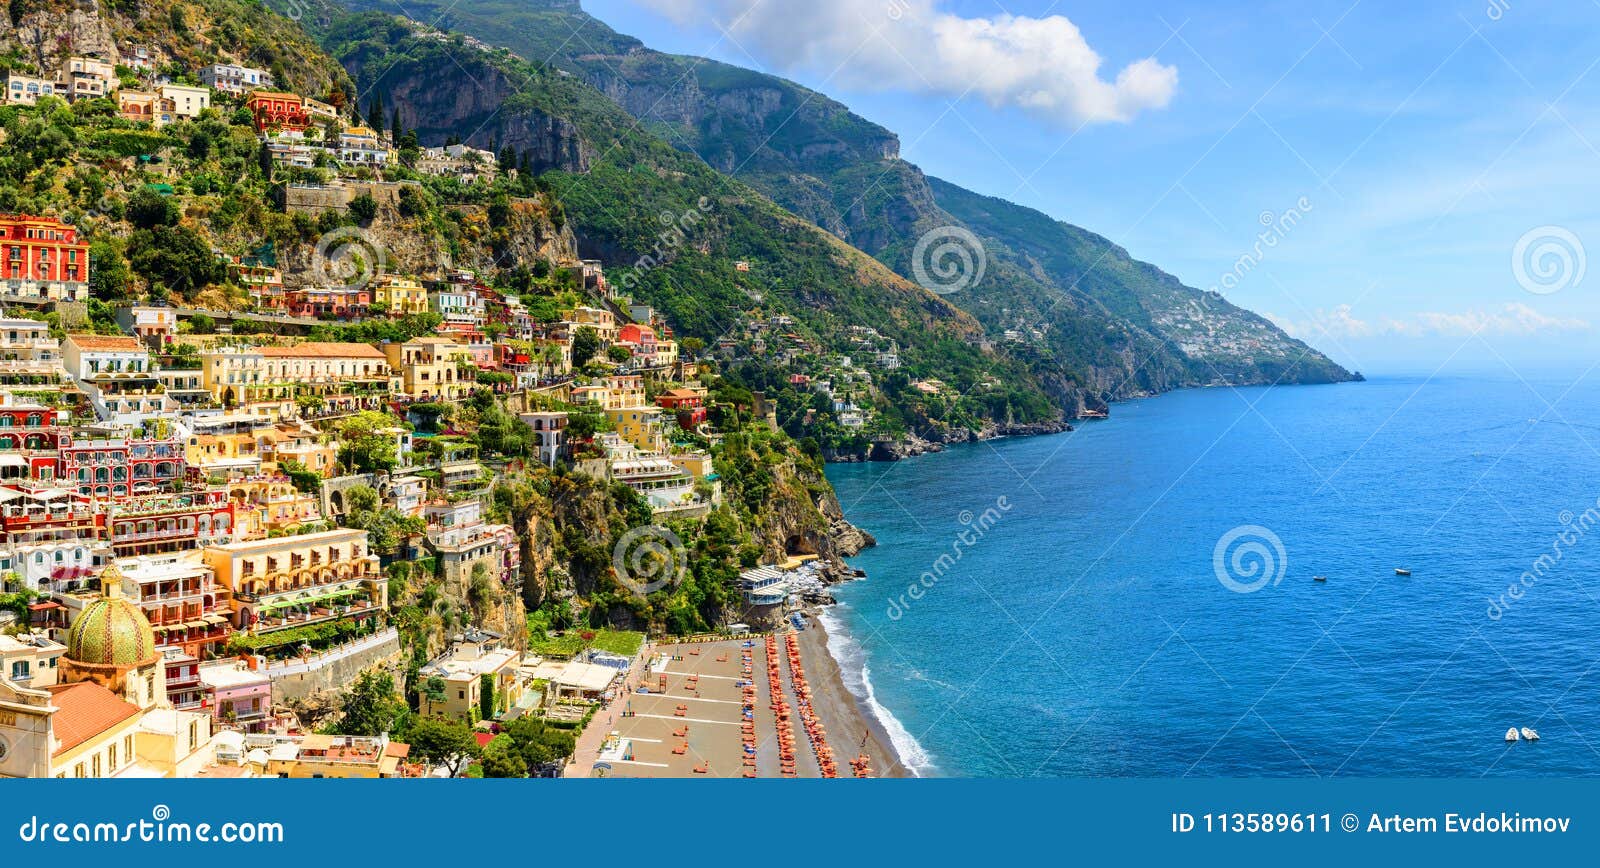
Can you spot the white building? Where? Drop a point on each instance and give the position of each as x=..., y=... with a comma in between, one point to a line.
x=229, y=78
x=187, y=102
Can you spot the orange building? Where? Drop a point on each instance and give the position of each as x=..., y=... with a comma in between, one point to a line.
x=41, y=258
x=278, y=111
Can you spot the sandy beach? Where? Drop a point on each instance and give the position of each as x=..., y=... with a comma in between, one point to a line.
x=686, y=717
x=841, y=712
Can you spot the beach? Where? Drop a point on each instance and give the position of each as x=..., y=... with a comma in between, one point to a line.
x=840, y=710
x=683, y=714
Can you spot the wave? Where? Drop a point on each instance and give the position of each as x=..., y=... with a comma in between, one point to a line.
x=857, y=677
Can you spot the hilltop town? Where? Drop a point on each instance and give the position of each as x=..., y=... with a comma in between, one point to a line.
x=265, y=513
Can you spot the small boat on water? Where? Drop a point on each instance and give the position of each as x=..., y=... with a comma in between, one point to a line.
x=1319, y=578
x=1528, y=734
x=1399, y=571
x=1511, y=734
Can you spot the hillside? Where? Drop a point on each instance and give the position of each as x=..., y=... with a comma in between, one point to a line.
x=1112, y=326
x=710, y=252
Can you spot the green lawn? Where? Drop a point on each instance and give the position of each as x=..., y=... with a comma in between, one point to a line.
x=568, y=644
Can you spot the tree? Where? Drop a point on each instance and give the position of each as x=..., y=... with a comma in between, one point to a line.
x=692, y=346
x=108, y=271
x=375, y=113
x=502, y=760
x=202, y=324
x=175, y=257
x=364, y=207
x=367, y=443
x=148, y=209
x=485, y=696
x=585, y=343
x=443, y=742
x=370, y=706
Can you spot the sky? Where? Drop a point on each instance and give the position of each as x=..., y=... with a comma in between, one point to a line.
x=1441, y=160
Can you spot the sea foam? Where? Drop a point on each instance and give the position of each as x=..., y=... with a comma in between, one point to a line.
x=857, y=676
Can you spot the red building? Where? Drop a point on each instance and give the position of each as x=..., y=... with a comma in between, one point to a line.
x=119, y=466
x=339, y=302
x=278, y=111
x=691, y=406
x=29, y=442
x=642, y=337
x=162, y=523
x=41, y=258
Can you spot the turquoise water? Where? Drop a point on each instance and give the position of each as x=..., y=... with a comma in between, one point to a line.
x=1082, y=628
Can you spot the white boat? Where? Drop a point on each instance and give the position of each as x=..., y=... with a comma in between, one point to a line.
x=1529, y=734
x=1511, y=734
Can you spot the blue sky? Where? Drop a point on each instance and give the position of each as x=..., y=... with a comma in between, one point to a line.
x=1428, y=141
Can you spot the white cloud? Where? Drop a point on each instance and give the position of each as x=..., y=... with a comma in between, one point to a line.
x=1512, y=320
x=1040, y=65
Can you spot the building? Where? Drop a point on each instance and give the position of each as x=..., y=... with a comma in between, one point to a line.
x=121, y=460
x=433, y=368
x=229, y=78
x=187, y=102
x=58, y=540
x=29, y=659
x=29, y=356
x=157, y=327
x=109, y=714
x=475, y=671
x=362, y=146
x=278, y=112
x=88, y=78
x=689, y=405
x=145, y=107
x=154, y=524
x=399, y=295
x=340, y=756
x=266, y=381
x=240, y=697
x=26, y=89
x=295, y=581
x=462, y=540
x=30, y=440
x=550, y=430
x=181, y=599
x=41, y=260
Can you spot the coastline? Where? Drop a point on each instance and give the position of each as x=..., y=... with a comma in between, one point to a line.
x=846, y=715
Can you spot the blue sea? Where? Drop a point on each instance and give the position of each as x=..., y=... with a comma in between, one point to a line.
x=1137, y=597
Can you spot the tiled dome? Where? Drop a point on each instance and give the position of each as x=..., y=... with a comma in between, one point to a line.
x=111, y=631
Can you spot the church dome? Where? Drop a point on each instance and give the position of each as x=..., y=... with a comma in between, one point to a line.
x=111, y=631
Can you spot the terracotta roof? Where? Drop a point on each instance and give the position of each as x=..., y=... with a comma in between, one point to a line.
x=324, y=350
x=86, y=710
x=397, y=749
x=107, y=342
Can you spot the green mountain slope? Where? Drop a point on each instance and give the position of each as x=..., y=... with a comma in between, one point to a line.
x=1130, y=330
x=671, y=229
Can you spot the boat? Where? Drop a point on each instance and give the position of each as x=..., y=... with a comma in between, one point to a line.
x=1511, y=734
x=1529, y=734
x=1401, y=572
x=1319, y=578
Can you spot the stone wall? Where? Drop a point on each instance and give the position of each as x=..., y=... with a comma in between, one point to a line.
x=332, y=670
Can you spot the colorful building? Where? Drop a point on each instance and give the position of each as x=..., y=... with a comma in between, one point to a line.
x=41, y=259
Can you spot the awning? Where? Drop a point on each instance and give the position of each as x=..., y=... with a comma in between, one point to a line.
x=214, y=619
x=195, y=625
x=12, y=459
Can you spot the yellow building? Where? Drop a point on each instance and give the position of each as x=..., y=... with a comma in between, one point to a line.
x=339, y=756
x=109, y=715
x=271, y=381
x=640, y=426
x=402, y=295
x=433, y=368
x=462, y=669
x=295, y=581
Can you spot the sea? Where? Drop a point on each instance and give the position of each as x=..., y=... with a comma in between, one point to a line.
x=1141, y=596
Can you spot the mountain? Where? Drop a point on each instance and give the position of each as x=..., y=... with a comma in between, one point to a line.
x=1087, y=316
